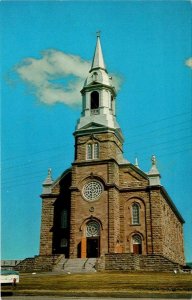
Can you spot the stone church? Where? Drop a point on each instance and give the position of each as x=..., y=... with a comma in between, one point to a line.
x=103, y=206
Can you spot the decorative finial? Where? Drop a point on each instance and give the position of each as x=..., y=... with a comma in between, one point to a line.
x=136, y=163
x=48, y=183
x=49, y=172
x=98, y=33
x=153, y=159
x=154, y=175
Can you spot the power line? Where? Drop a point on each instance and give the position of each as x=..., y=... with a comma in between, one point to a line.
x=42, y=173
x=159, y=131
x=161, y=120
x=133, y=136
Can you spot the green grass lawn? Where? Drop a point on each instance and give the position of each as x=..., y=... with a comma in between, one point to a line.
x=106, y=284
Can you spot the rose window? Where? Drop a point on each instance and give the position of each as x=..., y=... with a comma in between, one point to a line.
x=92, y=229
x=92, y=190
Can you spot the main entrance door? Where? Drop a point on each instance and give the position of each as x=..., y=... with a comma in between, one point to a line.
x=93, y=239
x=92, y=247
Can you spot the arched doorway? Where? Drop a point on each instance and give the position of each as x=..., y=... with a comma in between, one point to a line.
x=137, y=244
x=93, y=239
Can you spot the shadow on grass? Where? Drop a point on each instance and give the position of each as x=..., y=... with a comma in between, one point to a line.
x=7, y=293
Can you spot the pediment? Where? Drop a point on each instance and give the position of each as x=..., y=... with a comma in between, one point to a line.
x=93, y=125
x=132, y=176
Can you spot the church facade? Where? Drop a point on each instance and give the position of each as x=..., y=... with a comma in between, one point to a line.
x=104, y=204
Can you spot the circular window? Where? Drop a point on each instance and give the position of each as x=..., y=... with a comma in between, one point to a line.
x=92, y=190
x=92, y=229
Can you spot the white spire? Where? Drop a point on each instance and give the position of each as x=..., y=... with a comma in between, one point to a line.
x=98, y=96
x=98, y=61
x=154, y=175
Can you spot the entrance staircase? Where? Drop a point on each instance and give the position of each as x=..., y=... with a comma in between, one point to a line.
x=75, y=265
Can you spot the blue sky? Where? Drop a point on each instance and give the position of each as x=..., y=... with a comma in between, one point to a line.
x=47, y=48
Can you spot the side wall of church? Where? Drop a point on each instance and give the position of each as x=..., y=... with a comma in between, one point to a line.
x=172, y=231
x=134, y=190
x=143, y=229
x=47, y=219
x=156, y=221
x=166, y=229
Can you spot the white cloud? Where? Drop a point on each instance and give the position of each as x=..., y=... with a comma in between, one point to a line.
x=188, y=62
x=56, y=76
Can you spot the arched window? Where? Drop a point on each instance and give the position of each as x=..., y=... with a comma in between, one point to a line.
x=64, y=222
x=96, y=150
x=89, y=151
x=92, y=151
x=93, y=229
x=137, y=244
x=94, y=100
x=135, y=214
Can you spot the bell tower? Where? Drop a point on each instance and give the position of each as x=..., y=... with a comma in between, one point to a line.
x=98, y=109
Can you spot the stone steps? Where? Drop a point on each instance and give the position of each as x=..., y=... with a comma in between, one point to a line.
x=76, y=265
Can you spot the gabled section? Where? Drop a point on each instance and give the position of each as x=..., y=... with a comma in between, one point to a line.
x=131, y=176
x=92, y=125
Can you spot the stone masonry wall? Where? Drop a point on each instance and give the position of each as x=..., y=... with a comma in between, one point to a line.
x=47, y=219
x=133, y=262
x=166, y=229
x=130, y=229
x=156, y=220
x=109, y=146
x=172, y=232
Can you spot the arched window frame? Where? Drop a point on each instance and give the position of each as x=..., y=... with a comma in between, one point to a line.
x=136, y=238
x=92, y=229
x=95, y=150
x=135, y=213
x=92, y=151
x=89, y=151
x=94, y=102
x=137, y=242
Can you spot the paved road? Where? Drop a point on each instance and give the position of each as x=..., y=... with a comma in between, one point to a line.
x=77, y=298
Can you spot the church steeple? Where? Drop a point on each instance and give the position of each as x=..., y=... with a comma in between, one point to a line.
x=98, y=98
x=98, y=61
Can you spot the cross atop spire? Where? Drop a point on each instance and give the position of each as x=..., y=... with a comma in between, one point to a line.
x=98, y=33
x=98, y=61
